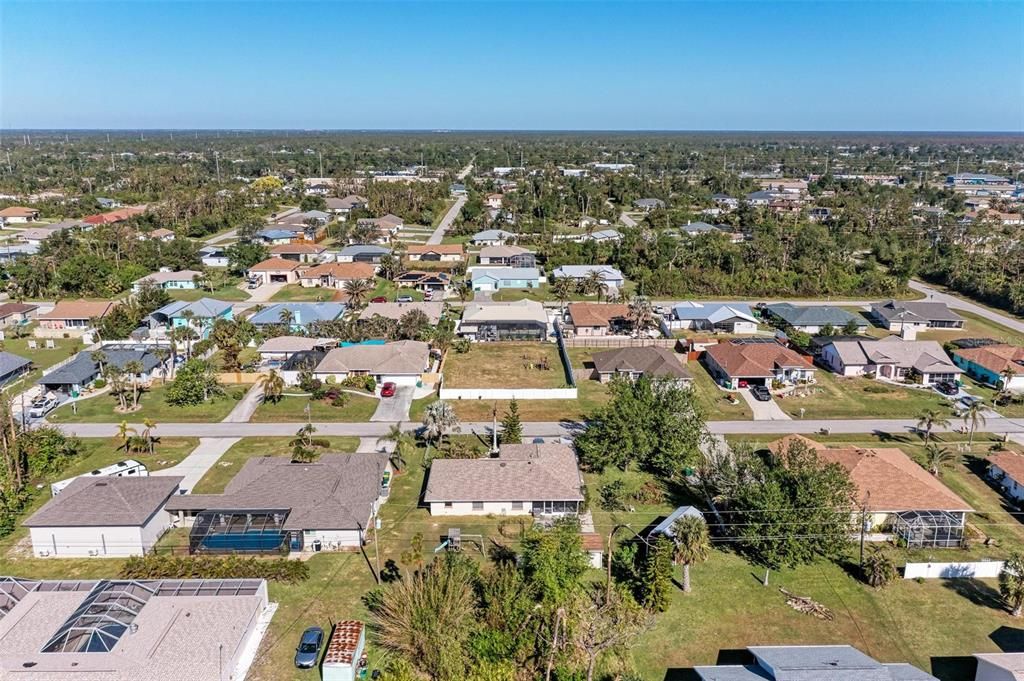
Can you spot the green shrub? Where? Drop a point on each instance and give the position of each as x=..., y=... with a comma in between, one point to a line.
x=99, y=383
x=877, y=389
x=156, y=566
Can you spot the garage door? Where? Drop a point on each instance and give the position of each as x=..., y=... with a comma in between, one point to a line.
x=485, y=287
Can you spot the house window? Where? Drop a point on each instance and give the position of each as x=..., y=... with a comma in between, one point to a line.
x=478, y=505
x=447, y=504
x=517, y=506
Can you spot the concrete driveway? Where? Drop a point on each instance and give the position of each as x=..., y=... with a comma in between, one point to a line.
x=764, y=411
x=395, y=408
x=261, y=294
x=194, y=466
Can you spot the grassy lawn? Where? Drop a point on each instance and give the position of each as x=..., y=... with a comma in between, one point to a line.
x=229, y=292
x=100, y=409
x=217, y=478
x=544, y=295
x=975, y=327
x=851, y=398
x=97, y=453
x=293, y=293
x=389, y=290
x=293, y=409
x=714, y=400
x=1013, y=410
x=509, y=365
x=42, y=357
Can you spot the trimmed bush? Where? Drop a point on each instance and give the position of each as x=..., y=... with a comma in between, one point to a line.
x=156, y=566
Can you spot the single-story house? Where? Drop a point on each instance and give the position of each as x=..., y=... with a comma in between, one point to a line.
x=507, y=256
x=169, y=281
x=612, y=277
x=275, y=235
x=740, y=363
x=107, y=204
x=71, y=318
x=734, y=318
x=496, y=278
x=457, y=189
x=103, y=517
x=598, y=319
x=435, y=252
x=602, y=236
x=1007, y=470
x=200, y=315
x=999, y=666
x=493, y=200
x=18, y=215
x=892, y=358
x=433, y=310
x=665, y=527
x=279, y=349
x=83, y=369
x=387, y=225
x=17, y=314
x=371, y=253
x=337, y=274
x=12, y=252
x=896, y=315
x=725, y=201
x=12, y=366
x=811, y=663
x=161, y=234
x=275, y=271
x=895, y=492
x=520, y=320
x=300, y=251
x=647, y=205
x=424, y=281
x=401, y=362
x=493, y=237
x=346, y=205
x=813, y=318
x=213, y=256
x=35, y=236
x=273, y=503
x=632, y=363
x=300, y=316
x=999, y=364
x=537, y=479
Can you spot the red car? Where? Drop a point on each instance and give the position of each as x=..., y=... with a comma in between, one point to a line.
x=387, y=390
x=379, y=299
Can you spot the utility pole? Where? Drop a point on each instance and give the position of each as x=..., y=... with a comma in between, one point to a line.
x=863, y=526
x=376, y=549
x=216, y=159
x=494, y=428
x=320, y=154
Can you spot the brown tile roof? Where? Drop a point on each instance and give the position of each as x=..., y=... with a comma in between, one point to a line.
x=887, y=480
x=650, y=361
x=341, y=270
x=756, y=359
x=161, y=232
x=545, y=472
x=94, y=502
x=1011, y=463
x=407, y=357
x=79, y=309
x=592, y=541
x=274, y=265
x=443, y=249
x=18, y=212
x=7, y=309
x=596, y=314
x=297, y=248
x=995, y=358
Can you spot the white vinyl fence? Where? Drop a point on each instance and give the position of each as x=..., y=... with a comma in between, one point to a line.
x=979, y=570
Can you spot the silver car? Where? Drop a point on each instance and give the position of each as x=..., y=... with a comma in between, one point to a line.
x=308, y=651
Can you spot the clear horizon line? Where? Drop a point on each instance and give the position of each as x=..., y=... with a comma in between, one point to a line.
x=439, y=130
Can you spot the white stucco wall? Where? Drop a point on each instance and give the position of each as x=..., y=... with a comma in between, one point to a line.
x=99, y=541
x=744, y=327
x=332, y=539
x=489, y=508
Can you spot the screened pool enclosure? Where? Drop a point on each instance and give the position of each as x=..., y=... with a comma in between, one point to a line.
x=243, y=531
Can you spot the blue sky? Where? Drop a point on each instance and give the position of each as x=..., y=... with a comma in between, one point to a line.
x=503, y=65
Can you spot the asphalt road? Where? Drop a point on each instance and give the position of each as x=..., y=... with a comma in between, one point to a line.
x=958, y=303
x=447, y=221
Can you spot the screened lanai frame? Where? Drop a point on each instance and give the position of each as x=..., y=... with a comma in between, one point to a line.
x=247, y=531
x=102, y=619
x=929, y=529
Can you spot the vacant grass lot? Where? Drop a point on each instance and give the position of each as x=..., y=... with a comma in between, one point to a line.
x=293, y=408
x=230, y=292
x=217, y=478
x=296, y=293
x=505, y=365
x=153, y=405
x=852, y=398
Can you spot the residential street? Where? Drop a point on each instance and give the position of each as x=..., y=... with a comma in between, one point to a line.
x=447, y=221
x=959, y=303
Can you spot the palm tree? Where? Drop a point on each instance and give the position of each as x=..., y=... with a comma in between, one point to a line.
x=357, y=290
x=404, y=442
x=147, y=433
x=928, y=420
x=273, y=386
x=936, y=458
x=438, y=419
x=134, y=368
x=463, y=290
x=124, y=433
x=100, y=358
x=286, y=317
x=1011, y=583
x=161, y=353
x=974, y=415
x=641, y=314
x=563, y=289
x=692, y=544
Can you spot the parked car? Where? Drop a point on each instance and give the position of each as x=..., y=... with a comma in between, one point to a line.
x=387, y=390
x=404, y=299
x=947, y=388
x=761, y=393
x=253, y=283
x=41, y=406
x=379, y=299
x=308, y=651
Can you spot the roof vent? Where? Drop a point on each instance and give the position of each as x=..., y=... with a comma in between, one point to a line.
x=101, y=484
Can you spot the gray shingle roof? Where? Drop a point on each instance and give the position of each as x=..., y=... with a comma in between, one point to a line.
x=106, y=502
x=814, y=315
x=9, y=363
x=650, y=361
x=915, y=311
x=545, y=472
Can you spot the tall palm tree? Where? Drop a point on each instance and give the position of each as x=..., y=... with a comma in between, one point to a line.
x=937, y=458
x=404, y=443
x=563, y=289
x=357, y=290
x=100, y=358
x=438, y=419
x=124, y=433
x=147, y=433
x=463, y=290
x=973, y=416
x=692, y=544
x=928, y=420
x=273, y=386
x=286, y=317
x=133, y=369
x=1011, y=583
